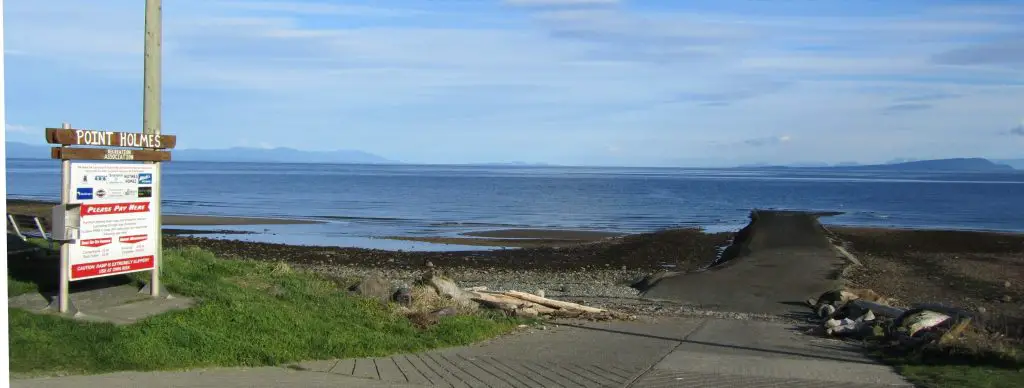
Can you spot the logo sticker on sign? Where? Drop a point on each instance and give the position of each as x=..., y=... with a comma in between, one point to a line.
x=84, y=193
x=145, y=179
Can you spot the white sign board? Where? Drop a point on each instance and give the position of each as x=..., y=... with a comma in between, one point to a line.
x=118, y=225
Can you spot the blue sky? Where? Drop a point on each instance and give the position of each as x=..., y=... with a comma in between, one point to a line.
x=608, y=82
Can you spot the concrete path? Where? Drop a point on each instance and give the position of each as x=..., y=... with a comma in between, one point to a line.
x=783, y=259
x=668, y=353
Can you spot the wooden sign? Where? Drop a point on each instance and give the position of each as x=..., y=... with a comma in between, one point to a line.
x=109, y=154
x=108, y=139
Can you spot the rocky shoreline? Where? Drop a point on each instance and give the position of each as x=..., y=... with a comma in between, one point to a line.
x=960, y=268
x=971, y=269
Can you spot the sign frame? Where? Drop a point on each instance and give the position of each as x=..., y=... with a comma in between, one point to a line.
x=137, y=254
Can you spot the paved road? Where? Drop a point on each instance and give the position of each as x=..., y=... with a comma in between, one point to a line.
x=667, y=353
x=786, y=259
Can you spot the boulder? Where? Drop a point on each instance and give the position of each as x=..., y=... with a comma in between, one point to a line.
x=446, y=287
x=373, y=286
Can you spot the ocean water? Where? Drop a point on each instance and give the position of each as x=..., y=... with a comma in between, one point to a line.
x=360, y=202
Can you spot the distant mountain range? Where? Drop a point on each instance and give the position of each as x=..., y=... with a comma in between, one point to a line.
x=954, y=164
x=1015, y=163
x=16, y=150
x=236, y=154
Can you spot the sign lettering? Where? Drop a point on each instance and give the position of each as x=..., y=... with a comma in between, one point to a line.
x=119, y=154
x=69, y=153
x=91, y=137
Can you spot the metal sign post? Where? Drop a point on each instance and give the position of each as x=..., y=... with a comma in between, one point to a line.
x=108, y=219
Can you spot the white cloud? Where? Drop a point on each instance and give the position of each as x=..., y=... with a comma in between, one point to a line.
x=17, y=128
x=611, y=73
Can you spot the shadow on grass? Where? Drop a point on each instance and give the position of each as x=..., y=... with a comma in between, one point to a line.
x=38, y=270
x=1003, y=356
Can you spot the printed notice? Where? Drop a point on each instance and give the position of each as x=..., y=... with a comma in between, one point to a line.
x=117, y=226
x=108, y=182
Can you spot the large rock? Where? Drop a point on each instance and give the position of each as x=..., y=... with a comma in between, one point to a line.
x=374, y=286
x=446, y=287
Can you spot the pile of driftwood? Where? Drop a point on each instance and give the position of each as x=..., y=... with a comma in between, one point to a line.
x=516, y=303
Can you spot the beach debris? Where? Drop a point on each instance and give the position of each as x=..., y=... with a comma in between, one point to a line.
x=862, y=313
x=920, y=326
x=433, y=289
x=373, y=286
x=841, y=296
x=856, y=308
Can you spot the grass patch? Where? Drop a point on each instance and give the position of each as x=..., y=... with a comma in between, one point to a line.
x=975, y=360
x=249, y=314
x=961, y=376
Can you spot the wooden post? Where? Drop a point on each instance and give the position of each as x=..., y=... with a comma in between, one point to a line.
x=65, y=267
x=151, y=123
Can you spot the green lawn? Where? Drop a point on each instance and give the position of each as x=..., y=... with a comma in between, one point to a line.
x=250, y=314
x=970, y=364
x=962, y=376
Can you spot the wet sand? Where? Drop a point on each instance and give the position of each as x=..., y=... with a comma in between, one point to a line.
x=554, y=234
x=518, y=238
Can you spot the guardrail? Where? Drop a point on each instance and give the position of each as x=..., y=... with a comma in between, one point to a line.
x=24, y=226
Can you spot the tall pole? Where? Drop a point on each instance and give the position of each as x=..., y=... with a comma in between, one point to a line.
x=63, y=297
x=151, y=122
x=4, y=325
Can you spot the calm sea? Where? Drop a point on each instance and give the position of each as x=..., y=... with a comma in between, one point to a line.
x=359, y=202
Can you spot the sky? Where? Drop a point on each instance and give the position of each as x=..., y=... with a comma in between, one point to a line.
x=585, y=82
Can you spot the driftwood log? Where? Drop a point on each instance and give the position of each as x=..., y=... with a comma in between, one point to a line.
x=529, y=305
x=552, y=303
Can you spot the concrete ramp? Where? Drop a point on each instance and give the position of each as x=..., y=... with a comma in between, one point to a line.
x=779, y=260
